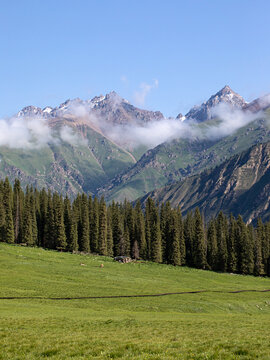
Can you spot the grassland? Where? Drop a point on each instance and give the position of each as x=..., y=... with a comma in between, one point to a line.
x=208, y=325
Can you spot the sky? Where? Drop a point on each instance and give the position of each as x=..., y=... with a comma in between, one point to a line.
x=159, y=55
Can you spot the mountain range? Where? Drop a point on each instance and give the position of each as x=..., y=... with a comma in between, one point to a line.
x=92, y=158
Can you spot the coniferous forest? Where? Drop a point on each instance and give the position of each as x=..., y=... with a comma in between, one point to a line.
x=157, y=232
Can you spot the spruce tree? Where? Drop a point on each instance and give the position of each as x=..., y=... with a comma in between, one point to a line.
x=222, y=255
x=266, y=246
x=27, y=236
x=68, y=222
x=139, y=231
x=109, y=233
x=18, y=199
x=73, y=238
x=175, y=256
x=212, y=249
x=258, y=263
x=94, y=226
x=189, y=233
x=32, y=202
x=84, y=240
x=232, y=248
x=102, y=227
x=43, y=200
x=246, y=262
x=9, y=236
x=165, y=228
x=199, y=245
x=148, y=230
x=59, y=226
x=49, y=224
x=182, y=244
x=156, y=249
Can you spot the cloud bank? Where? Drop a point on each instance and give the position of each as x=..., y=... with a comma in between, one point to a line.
x=35, y=132
x=156, y=132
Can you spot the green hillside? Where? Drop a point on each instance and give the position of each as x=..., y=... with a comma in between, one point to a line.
x=65, y=167
x=175, y=160
x=210, y=325
x=240, y=185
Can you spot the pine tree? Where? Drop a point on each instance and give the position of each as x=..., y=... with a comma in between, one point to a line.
x=232, y=251
x=84, y=241
x=212, y=249
x=117, y=229
x=148, y=230
x=129, y=220
x=18, y=199
x=222, y=255
x=59, y=226
x=73, y=244
x=102, y=227
x=9, y=236
x=266, y=246
x=246, y=263
x=139, y=231
x=27, y=237
x=258, y=263
x=199, y=246
x=189, y=233
x=109, y=233
x=94, y=226
x=182, y=244
x=43, y=200
x=32, y=202
x=156, y=249
x=165, y=228
x=175, y=256
x=68, y=223
x=49, y=224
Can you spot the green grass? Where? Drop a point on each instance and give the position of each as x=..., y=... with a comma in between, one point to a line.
x=189, y=326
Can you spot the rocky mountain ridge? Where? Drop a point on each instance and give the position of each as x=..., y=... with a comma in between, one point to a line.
x=102, y=166
x=240, y=185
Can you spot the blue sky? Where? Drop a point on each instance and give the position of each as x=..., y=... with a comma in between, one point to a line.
x=161, y=55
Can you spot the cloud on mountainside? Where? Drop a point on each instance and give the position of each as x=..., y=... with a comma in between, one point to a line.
x=32, y=133
x=24, y=133
x=159, y=131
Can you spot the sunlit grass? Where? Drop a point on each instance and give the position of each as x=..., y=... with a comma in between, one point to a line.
x=190, y=326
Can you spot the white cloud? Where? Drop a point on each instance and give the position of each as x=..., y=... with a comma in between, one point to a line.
x=68, y=135
x=24, y=133
x=140, y=95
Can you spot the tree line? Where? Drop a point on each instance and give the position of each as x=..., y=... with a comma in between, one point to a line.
x=157, y=232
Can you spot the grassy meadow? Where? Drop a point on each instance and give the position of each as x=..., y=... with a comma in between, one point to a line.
x=210, y=325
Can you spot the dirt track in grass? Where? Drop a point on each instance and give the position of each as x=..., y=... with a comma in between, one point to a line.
x=129, y=296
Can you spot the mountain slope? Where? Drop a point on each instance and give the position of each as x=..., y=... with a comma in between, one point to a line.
x=87, y=157
x=175, y=160
x=240, y=185
x=204, y=111
x=65, y=167
x=89, y=152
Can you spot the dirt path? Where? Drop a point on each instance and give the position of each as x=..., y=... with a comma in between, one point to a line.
x=130, y=296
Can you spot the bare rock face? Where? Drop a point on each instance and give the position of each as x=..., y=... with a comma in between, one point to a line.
x=240, y=185
x=116, y=110
x=110, y=108
x=204, y=111
x=259, y=104
x=30, y=111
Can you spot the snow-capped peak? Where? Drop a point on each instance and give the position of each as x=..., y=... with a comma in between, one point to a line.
x=226, y=95
x=47, y=109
